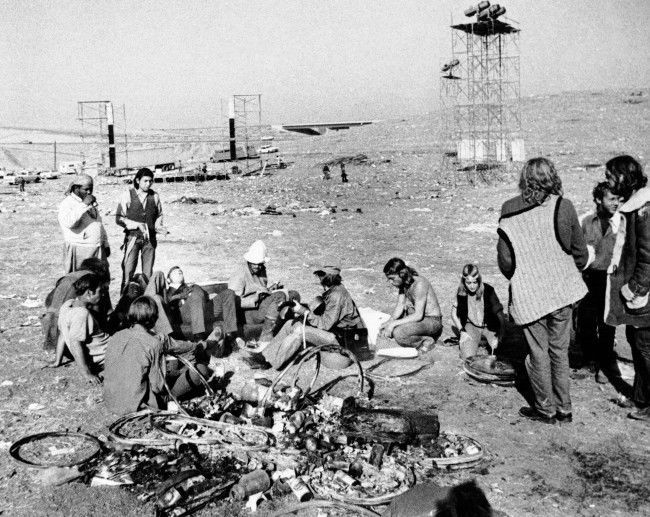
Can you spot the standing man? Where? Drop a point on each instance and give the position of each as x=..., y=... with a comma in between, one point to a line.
x=344, y=176
x=83, y=231
x=541, y=251
x=139, y=211
x=628, y=282
x=597, y=338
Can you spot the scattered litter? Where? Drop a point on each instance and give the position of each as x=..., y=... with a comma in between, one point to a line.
x=35, y=407
x=32, y=303
x=420, y=210
x=6, y=383
x=7, y=296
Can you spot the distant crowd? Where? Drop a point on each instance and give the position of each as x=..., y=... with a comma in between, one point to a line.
x=591, y=274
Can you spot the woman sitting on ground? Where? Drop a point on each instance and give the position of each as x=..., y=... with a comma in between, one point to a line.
x=134, y=365
x=328, y=317
x=416, y=320
x=476, y=313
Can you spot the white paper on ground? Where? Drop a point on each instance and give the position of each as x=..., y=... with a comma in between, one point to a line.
x=373, y=319
x=398, y=352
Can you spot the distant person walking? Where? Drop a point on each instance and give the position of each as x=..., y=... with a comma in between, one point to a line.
x=84, y=234
x=326, y=172
x=139, y=212
x=344, y=176
x=541, y=251
x=628, y=281
x=21, y=184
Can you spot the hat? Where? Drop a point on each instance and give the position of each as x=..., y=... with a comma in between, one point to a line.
x=328, y=270
x=256, y=254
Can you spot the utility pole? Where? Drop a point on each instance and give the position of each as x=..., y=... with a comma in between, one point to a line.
x=55, y=156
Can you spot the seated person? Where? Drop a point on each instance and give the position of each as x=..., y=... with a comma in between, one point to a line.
x=188, y=305
x=257, y=300
x=64, y=291
x=476, y=313
x=80, y=333
x=135, y=362
x=330, y=315
x=416, y=320
x=118, y=320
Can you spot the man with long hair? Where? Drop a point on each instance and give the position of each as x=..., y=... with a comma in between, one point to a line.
x=139, y=212
x=628, y=282
x=542, y=250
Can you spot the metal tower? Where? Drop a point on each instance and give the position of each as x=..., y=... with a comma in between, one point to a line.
x=482, y=89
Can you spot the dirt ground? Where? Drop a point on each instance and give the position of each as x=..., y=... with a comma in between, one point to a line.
x=397, y=204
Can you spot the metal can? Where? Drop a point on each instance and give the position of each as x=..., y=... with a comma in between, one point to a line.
x=300, y=489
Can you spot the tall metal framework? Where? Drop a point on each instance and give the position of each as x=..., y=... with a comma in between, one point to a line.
x=481, y=92
x=93, y=118
x=248, y=121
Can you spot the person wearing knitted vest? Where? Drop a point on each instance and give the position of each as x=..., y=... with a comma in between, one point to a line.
x=628, y=280
x=542, y=250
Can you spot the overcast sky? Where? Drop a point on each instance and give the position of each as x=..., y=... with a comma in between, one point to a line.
x=170, y=63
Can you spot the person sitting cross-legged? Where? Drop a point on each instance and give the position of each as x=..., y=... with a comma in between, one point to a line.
x=80, y=333
x=136, y=370
x=258, y=301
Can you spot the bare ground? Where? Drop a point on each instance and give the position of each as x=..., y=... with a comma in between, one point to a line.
x=599, y=465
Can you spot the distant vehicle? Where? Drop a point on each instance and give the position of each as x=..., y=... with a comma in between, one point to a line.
x=154, y=158
x=49, y=175
x=243, y=152
x=268, y=149
x=11, y=178
x=70, y=167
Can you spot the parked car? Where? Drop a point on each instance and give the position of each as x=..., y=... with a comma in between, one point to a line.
x=49, y=175
x=11, y=178
x=267, y=149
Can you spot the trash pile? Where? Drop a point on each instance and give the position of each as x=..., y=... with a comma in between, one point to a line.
x=270, y=440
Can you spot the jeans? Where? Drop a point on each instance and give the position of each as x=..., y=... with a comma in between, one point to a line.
x=135, y=247
x=412, y=334
x=267, y=312
x=595, y=336
x=224, y=307
x=470, y=339
x=288, y=341
x=548, y=361
x=639, y=339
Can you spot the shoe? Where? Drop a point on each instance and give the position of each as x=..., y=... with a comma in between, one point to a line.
x=533, y=414
x=428, y=344
x=601, y=378
x=563, y=418
x=256, y=362
x=640, y=414
x=256, y=347
x=623, y=401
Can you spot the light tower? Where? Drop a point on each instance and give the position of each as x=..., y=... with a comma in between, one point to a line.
x=482, y=90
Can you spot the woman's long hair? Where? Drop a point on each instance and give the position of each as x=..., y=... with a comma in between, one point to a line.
x=471, y=271
x=539, y=180
x=625, y=175
x=396, y=266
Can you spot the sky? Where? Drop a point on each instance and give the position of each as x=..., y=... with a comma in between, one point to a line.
x=172, y=62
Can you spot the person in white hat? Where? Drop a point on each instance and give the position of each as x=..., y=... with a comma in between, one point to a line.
x=258, y=300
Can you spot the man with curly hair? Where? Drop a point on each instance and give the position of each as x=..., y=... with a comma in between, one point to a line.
x=542, y=251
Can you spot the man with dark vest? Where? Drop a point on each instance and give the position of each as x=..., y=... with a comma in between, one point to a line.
x=139, y=211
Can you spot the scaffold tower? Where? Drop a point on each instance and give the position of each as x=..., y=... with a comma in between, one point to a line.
x=248, y=121
x=480, y=92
